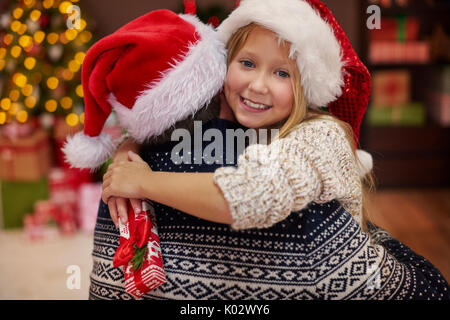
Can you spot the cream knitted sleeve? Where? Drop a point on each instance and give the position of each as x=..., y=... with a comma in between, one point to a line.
x=313, y=163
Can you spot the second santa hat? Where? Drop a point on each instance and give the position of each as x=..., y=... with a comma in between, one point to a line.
x=154, y=71
x=331, y=72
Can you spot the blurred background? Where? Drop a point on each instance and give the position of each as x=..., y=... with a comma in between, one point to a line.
x=48, y=211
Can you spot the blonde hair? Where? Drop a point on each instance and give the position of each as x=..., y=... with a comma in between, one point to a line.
x=301, y=112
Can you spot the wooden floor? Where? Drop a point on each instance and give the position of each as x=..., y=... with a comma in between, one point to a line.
x=418, y=218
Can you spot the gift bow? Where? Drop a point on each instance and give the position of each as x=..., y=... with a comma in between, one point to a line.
x=134, y=235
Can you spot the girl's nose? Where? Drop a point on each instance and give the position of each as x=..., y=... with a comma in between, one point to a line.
x=258, y=84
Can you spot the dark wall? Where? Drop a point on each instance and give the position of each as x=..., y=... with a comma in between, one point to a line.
x=111, y=14
x=108, y=15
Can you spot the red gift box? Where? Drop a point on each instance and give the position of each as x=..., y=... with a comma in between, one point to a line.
x=25, y=158
x=391, y=88
x=396, y=30
x=34, y=230
x=65, y=182
x=139, y=251
x=37, y=224
x=398, y=52
x=64, y=217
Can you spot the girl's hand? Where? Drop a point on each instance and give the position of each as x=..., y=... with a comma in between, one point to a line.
x=118, y=208
x=125, y=179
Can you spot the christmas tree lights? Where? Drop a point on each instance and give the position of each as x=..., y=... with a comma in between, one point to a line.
x=41, y=54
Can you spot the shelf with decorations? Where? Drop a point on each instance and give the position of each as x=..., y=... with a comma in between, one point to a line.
x=407, y=125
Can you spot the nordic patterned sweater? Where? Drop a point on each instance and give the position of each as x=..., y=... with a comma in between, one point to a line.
x=318, y=252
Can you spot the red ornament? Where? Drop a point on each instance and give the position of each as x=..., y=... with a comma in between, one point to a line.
x=190, y=7
x=214, y=21
x=44, y=21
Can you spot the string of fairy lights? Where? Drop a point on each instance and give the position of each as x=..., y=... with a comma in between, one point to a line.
x=42, y=59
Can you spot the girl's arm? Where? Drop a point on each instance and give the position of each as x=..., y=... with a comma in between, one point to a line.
x=193, y=193
x=314, y=163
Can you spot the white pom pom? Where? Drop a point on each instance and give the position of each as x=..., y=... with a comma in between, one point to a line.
x=82, y=151
x=365, y=162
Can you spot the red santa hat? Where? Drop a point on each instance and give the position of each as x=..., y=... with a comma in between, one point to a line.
x=153, y=72
x=331, y=72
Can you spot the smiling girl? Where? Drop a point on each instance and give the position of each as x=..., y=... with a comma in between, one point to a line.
x=286, y=222
x=314, y=151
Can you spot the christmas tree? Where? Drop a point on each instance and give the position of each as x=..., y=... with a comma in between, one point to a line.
x=42, y=47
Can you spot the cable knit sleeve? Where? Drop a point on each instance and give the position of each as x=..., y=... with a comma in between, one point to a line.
x=313, y=163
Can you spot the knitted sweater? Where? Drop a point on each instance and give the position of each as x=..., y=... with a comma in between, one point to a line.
x=314, y=163
x=319, y=252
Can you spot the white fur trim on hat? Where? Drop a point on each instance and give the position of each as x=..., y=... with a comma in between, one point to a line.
x=365, y=164
x=313, y=43
x=189, y=85
x=83, y=151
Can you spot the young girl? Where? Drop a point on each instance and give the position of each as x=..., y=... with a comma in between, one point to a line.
x=290, y=238
x=265, y=89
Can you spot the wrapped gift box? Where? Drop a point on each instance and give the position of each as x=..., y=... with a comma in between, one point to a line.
x=41, y=223
x=25, y=158
x=64, y=186
x=18, y=199
x=399, y=52
x=35, y=231
x=413, y=114
x=391, y=88
x=89, y=199
x=396, y=29
x=143, y=267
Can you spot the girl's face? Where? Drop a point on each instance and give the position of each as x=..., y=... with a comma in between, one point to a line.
x=258, y=86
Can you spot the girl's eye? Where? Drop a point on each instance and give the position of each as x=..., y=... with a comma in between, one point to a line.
x=247, y=63
x=283, y=74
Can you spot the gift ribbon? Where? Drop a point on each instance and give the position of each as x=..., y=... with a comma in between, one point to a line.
x=9, y=151
x=24, y=148
x=135, y=231
x=401, y=28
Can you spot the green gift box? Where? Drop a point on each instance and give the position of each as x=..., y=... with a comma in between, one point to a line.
x=18, y=198
x=411, y=115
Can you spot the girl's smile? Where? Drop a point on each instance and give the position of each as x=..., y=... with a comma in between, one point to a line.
x=258, y=86
x=251, y=106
